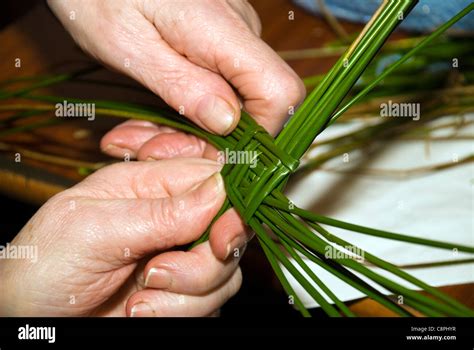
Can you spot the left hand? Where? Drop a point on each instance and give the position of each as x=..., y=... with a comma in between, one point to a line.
x=105, y=246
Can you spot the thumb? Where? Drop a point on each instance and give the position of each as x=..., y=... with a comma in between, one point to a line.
x=128, y=229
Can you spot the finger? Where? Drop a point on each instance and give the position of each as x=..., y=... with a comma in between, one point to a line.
x=148, y=180
x=128, y=137
x=194, y=272
x=159, y=303
x=175, y=145
x=228, y=46
x=144, y=140
x=229, y=235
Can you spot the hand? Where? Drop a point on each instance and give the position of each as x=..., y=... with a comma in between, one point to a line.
x=193, y=54
x=105, y=244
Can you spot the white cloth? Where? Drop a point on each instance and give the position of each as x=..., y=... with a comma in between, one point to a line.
x=437, y=205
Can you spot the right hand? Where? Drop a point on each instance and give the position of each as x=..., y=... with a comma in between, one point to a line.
x=193, y=54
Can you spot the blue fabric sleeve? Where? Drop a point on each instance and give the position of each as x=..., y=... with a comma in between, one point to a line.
x=426, y=16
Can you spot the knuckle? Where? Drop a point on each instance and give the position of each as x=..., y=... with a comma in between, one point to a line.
x=294, y=89
x=172, y=74
x=164, y=218
x=169, y=82
x=280, y=90
x=251, y=17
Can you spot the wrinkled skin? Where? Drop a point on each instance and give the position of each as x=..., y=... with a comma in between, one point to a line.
x=205, y=59
x=98, y=241
x=192, y=53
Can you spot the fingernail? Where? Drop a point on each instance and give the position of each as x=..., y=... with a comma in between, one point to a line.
x=210, y=189
x=216, y=114
x=142, y=310
x=236, y=246
x=150, y=159
x=116, y=149
x=158, y=278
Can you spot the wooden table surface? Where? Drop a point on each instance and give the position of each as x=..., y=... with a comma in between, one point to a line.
x=43, y=46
